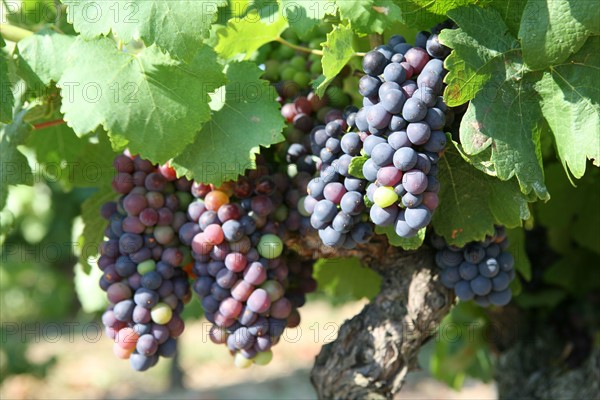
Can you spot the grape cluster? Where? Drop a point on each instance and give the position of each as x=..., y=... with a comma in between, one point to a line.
x=242, y=274
x=292, y=71
x=141, y=259
x=335, y=198
x=401, y=123
x=479, y=271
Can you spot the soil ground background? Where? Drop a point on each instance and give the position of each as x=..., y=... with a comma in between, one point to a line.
x=89, y=370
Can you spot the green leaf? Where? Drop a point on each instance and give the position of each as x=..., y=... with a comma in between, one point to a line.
x=175, y=26
x=8, y=99
x=505, y=116
x=74, y=161
x=94, y=225
x=305, y=15
x=337, y=51
x=471, y=202
x=577, y=272
x=225, y=146
x=356, y=166
x=571, y=104
x=460, y=347
x=573, y=213
x=14, y=168
x=246, y=35
x=154, y=102
x=44, y=54
x=423, y=14
x=511, y=12
x=547, y=298
x=477, y=53
x=369, y=16
x=346, y=279
x=551, y=30
x=412, y=243
x=516, y=247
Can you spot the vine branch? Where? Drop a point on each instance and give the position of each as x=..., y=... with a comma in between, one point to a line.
x=48, y=124
x=309, y=50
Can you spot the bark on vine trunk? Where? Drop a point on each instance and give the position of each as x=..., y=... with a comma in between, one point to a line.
x=535, y=367
x=376, y=349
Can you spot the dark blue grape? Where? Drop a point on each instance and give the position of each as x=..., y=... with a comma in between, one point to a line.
x=351, y=143
x=481, y=286
x=374, y=62
x=500, y=298
x=370, y=143
x=394, y=72
x=414, y=110
x=468, y=271
x=398, y=139
x=383, y=216
x=436, y=143
x=405, y=158
x=397, y=123
x=393, y=101
x=369, y=170
x=382, y=154
x=368, y=86
x=435, y=118
x=331, y=237
x=463, y=291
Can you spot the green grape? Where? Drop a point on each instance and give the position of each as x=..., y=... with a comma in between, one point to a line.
x=281, y=213
x=161, y=313
x=301, y=208
x=316, y=67
x=385, y=196
x=270, y=246
x=146, y=266
x=288, y=73
x=284, y=53
x=263, y=358
x=240, y=361
x=298, y=62
x=302, y=79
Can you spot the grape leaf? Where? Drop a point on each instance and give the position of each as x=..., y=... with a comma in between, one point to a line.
x=246, y=35
x=423, y=14
x=551, y=30
x=504, y=111
x=505, y=116
x=176, y=26
x=460, y=347
x=337, y=51
x=471, y=202
x=7, y=98
x=73, y=161
x=412, y=243
x=152, y=101
x=94, y=224
x=570, y=103
x=14, y=168
x=305, y=15
x=477, y=53
x=516, y=247
x=511, y=12
x=573, y=273
x=225, y=146
x=356, y=166
x=44, y=55
x=346, y=279
x=573, y=210
x=369, y=16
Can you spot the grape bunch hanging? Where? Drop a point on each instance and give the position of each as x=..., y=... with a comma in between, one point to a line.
x=341, y=171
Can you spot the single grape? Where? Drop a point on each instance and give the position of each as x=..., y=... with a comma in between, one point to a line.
x=481, y=286
x=383, y=216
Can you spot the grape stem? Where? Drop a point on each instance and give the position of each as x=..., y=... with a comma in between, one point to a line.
x=308, y=50
x=14, y=33
x=48, y=124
